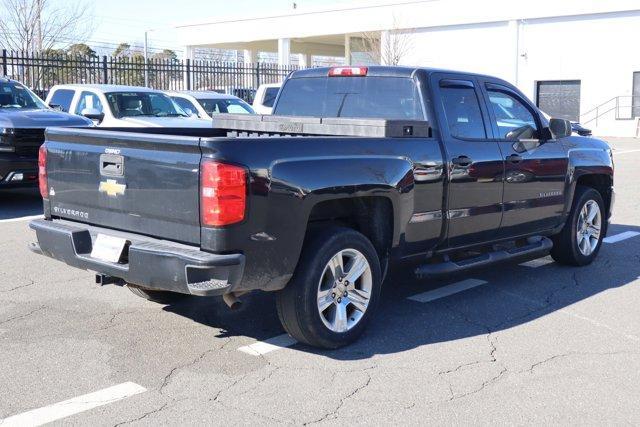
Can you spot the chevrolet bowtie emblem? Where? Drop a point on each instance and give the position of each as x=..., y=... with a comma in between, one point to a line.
x=112, y=188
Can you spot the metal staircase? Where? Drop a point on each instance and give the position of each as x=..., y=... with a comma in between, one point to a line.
x=626, y=107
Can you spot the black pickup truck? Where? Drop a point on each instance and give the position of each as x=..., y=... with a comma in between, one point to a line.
x=358, y=168
x=23, y=119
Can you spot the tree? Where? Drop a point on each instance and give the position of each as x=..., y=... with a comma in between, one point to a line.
x=166, y=54
x=388, y=47
x=37, y=25
x=128, y=65
x=81, y=49
x=123, y=49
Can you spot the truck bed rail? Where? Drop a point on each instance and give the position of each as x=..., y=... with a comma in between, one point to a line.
x=246, y=125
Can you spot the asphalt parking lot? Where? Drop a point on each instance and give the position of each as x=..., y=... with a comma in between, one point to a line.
x=532, y=343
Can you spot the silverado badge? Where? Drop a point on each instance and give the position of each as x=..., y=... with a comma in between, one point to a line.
x=112, y=188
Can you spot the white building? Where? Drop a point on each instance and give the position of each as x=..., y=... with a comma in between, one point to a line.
x=576, y=58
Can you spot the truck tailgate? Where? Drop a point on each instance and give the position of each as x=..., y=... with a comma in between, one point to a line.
x=148, y=184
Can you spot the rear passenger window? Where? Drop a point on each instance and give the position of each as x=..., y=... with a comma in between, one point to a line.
x=463, y=113
x=63, y=98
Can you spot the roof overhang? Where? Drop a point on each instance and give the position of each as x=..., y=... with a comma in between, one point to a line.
x=388, y=15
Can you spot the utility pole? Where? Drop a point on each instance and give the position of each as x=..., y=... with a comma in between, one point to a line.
x=146, y=58
x=39, y=25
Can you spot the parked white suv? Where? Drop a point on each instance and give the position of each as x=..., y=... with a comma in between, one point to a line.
x=205, y=104
x=122, y=106
x=265, y=97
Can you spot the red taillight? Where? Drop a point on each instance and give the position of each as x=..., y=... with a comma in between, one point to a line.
x=348, y=71
x=223, y=193
x=42, y=172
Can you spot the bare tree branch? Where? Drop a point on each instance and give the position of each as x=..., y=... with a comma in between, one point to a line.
x=388, y=47
x=36, y=25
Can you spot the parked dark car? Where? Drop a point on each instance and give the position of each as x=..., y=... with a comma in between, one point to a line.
x=23, y=119
x=580, y=130
x=576, y=127
x=359, y=168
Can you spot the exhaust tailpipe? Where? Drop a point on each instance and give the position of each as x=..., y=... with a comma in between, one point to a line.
x=232, y=301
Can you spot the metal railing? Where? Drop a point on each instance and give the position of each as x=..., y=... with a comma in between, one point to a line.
x=625, y=107
x=41, y=71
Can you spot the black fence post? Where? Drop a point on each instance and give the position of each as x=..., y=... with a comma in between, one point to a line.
x=4, y=62
x=257, y=75
x=105, y=75
x=188, y=73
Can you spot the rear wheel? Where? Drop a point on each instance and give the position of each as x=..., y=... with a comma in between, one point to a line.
x=334, y=291
x=579, y=241
x=161, y=297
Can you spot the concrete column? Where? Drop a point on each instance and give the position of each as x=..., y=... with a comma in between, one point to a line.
x=347, y=49
x=284, y=51
x=190, y=53
x=304, y=60
x=514, y=30
x=250, y=56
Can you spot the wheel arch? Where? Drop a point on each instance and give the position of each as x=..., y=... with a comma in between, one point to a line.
x=599, y=181
x=373, y=216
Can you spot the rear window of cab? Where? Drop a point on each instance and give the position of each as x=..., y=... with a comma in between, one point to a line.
x=361, y=97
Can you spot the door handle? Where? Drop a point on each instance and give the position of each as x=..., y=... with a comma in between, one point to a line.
x=461, y=161
x=514, y=158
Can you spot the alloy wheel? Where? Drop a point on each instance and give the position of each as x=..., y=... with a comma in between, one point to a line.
x=344, y=290
x=589, y=228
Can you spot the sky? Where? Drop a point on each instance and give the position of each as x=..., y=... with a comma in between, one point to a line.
x=117, y=21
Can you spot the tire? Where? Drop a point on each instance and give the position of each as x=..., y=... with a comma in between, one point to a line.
x=569, y=247
x=161, y=297
x=348, y=305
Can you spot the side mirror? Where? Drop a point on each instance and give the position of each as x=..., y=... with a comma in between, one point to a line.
x=93, y=114
x=560, y=128
x=55, y=107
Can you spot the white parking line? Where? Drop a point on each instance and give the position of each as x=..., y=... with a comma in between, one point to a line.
x=22, y=218
x=535, y=263
x=620, y=237
x=73, y=406
x=445, y=291
x=263, y=347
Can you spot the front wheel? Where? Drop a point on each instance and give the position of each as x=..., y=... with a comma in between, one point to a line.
x=579, y=241
x=334, y=291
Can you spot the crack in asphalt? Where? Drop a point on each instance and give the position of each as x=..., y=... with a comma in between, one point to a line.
x=216, y=397
x=22, y=316
x=167, y=378
x=334, y=413
x=485, y=384
x=540, y=305
x=31, y=282
x=492, y=357
x=143, y=416
x=570, y=354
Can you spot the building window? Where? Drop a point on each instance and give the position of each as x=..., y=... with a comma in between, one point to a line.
x=559, y=98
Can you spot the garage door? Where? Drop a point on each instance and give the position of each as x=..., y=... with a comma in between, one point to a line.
x=560, y=98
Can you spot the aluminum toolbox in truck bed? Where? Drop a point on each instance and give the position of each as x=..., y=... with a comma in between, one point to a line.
x=259, y=125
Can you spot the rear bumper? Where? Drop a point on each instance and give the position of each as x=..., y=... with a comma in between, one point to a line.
x=152, y=263
x=12, y=165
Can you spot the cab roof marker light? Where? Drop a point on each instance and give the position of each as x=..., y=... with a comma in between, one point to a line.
x=348, y=71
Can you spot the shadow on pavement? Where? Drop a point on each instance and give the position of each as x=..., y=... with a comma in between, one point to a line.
x=20, y=203
x=402, y=324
